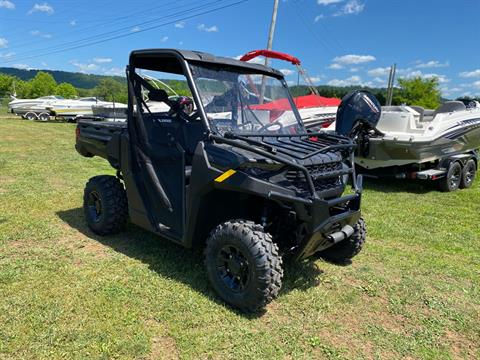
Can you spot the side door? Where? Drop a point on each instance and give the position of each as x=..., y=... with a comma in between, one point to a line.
x=159, y=171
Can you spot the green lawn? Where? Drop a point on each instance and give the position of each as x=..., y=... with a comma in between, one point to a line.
x=67, y=293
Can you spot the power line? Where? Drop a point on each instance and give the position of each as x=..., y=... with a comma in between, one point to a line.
x=129, y=27
x=130, y=33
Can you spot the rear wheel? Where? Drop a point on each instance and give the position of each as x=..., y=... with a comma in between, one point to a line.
x=348, y=248
x=451, y=181
x=468, y=174
x=44, y=117
x=105, y=205
x=30, y=116
x=243, y=264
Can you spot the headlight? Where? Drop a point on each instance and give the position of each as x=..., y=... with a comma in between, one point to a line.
x=261, y=169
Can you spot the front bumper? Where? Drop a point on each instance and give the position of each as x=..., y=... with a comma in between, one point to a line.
x=326, y=218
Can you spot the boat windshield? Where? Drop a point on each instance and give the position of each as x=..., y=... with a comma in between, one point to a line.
x=246, y=103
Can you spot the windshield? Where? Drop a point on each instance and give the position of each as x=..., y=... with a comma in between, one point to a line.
x=245, y=103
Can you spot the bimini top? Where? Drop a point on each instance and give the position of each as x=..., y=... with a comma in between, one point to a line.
x=166, y=60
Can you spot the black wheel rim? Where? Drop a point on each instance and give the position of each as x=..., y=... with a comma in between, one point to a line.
x=94, y=206
x=455, y=177
x=469, y=173
x=233, y=268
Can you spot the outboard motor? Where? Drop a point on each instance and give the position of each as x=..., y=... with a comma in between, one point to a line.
x=359, y=112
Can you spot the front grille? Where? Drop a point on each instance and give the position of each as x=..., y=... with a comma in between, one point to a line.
x=326, y=187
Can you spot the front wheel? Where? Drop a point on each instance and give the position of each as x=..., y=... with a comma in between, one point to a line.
x=348, y=248
x=105, y=205
x=451, y=181
x=468, y=174
x=243, y=264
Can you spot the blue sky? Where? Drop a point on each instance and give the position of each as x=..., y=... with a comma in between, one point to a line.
x=340, y=42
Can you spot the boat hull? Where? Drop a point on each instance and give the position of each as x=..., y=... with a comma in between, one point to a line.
x=385, y=153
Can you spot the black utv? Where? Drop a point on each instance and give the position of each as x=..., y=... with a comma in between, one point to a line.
x=228, y=167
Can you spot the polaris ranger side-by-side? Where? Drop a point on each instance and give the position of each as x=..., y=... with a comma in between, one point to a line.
x=230, y=171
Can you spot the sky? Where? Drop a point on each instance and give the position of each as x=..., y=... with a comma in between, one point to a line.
x=340, y=42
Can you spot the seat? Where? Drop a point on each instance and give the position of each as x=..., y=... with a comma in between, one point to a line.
x=450, y=106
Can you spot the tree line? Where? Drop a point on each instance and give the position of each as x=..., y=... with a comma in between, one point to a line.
x=416, y=91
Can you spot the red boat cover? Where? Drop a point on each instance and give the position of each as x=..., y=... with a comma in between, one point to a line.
x=307, y=101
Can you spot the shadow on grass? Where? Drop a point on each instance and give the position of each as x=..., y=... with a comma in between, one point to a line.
x=175, y=262
x=391, y=185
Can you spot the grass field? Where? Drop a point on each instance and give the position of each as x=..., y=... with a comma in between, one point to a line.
x=66, y=293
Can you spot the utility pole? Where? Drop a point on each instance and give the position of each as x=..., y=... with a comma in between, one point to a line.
x=269, y=44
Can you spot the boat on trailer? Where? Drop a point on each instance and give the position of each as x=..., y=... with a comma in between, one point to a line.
x=413, y=142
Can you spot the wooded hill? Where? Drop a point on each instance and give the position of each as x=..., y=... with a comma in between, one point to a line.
x=79, y=80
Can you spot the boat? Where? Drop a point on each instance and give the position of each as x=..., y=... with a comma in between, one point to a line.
x=69, y=109
x=413, y=142
x=33, y=112
x=18, y=106
x=314, y=109
x=414, y=135
x=110, y=111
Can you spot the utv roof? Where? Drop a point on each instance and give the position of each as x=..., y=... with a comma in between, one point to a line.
x=167, y=60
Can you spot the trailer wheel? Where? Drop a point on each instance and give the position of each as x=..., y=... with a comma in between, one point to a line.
x=243, y=264
x=468, y=174
x=30, y=116
x=44, y=117
x=105, y=205
x=348, y=248
x=451, y=181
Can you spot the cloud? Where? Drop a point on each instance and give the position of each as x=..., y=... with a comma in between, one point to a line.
x=40, y=34
x=352, y=7
x=470, y=74
x=432, y=64
x=409, y=73
x=45, y=8
x=353, y=59
x=114, y=71
x=319, y=17
x=355, y=69
x=102, y=60
x=3, y=43
x=315, y=79
x=328, y=2
x=164, y=39
x=202, y=27
x=287, y=72
x=476, y=84
x=7, y=4
x=180, y=24
x=84, y=68
x=22, y=66
x=135, y=29
x=7, y=55
x=73, y=22
x=380, y=71
x=352, y=80
x=335, y=66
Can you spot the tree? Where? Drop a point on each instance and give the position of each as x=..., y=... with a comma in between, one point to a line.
x=111, y=90
x=42, y=84
x=6, y=84
x=66, y=90
x=418, y=91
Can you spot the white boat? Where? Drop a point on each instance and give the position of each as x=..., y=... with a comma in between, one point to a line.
x=411, y=134
x=413, y=142
x=17, y=106
x=110, y=111
x=69, y=109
